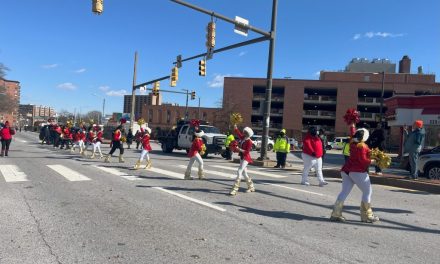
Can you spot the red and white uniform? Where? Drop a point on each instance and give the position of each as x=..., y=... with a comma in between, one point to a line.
x=196, y=147
x=117, y=135
x=312, y=158
x=96, y=141
x=146, y=142
x=246, y=146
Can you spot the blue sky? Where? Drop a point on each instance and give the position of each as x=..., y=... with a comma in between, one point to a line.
x=62, y=53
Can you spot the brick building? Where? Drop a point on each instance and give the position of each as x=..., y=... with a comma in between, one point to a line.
x=32, y=115
x=297, y=104
x=9, y=100
x=140, y=101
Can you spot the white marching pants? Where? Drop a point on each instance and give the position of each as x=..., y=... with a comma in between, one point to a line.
x=143, y=154
x=79, y=144
x=97, y=146
x=311, y=162
x=362, y=181
x=242, y=170
x=199, y=160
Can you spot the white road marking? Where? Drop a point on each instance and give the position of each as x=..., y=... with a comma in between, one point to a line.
x=69, y=174
x=119, y=173
x=291, y=188
x=12, y=173
x=191, y=199
x=251, y=171
x=226, y=175
x=168, y=173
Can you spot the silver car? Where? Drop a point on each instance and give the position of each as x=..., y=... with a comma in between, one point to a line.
x=429, y=163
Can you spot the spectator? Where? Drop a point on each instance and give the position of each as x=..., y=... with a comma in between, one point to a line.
x=6, y=134
x=229, y=138
x=282, y=147
x=377, y=140
x=413, y=146
x=324, y=141
x=129, y=138
x=312, y=157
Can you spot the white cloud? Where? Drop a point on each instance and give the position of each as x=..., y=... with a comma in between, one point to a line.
x=241, y=54
x=318, y=73
x=67, y=86
x=218, y=80
x=116, y=93
x=81, y=70
x=49, y=66
x=379, y=34
x=104, y=88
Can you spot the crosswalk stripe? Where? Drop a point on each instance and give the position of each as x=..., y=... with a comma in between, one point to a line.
x=191, y=199
x=168, y=173
x=251, y=171
x=67, y=173
x=217, y=173
x=119, y=173
x=12, y=173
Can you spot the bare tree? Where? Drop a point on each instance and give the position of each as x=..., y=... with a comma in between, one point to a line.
x=3, y=70
x=64, y=116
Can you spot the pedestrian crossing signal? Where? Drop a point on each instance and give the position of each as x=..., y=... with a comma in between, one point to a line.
x=193, y=95
x=174, y=76
x=202, y=68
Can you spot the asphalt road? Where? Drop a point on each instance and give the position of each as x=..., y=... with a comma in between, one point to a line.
x=58, y=207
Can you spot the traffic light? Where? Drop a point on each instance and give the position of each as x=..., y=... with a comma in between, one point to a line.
x=210, y=36
x=202, y=68
x=193, y=95
x=156, y=88
x=97, y=6
x=174, y=76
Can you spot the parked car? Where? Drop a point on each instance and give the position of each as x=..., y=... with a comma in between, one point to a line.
x=294, y=144
x=429, y=163
x=337, y=143
x=256, y=143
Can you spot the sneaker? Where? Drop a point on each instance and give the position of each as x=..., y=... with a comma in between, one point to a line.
x=305, y=183
x=322, y=184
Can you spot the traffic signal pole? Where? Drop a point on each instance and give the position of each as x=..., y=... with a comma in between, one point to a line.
x=133, y=92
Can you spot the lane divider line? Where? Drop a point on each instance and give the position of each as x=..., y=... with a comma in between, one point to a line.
x=12, y=173
x=67, y=173
x=191, y=199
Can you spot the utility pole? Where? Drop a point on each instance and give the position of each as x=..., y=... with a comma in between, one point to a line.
x=103, y=113
x=186, y=104
x=199, y=107
x=267, y=103
x=133, y=92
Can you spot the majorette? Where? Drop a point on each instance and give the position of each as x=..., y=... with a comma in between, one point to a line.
x=197, y=148
x=96, y=141
x=117, y=142
x=146, y=148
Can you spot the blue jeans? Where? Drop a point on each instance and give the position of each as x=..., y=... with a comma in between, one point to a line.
x=413, y=157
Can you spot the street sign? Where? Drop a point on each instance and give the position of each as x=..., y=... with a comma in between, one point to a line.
x=143, y=88
x=241, y=30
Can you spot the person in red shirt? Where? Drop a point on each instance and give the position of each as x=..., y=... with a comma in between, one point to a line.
x=97, y=141
x=355, y=172
x=194, y=154
x=6, y=134
x=312, y=156
x=146, y=148
x=245, y=159
x=117, y=143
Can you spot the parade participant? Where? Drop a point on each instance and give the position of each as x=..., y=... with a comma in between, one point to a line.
x=146, y=149
x=89, y=137
x=312, y=157
x=97, y=141
x=68, y=136
x=57, y=136
x=245, y=159
x=355, y=171
x=82, y=139
x=229, y=138
x=117, y=138
x=63, y=137
x=75, y=139
x=196, y=147
x=281, y=147
x=6, y=134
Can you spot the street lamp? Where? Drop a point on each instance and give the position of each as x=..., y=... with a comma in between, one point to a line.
x=103, y=108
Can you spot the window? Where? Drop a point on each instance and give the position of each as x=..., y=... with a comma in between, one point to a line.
x=150, y=115
x=184, y=129
x=168, y=116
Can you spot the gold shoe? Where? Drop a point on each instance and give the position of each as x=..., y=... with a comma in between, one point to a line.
x=107, y=159
x=337, y=212
x=250, y=185
x=367, y=215
x=137, y=165
x=149, y=164
x=201, y=175
x=93, y=156
x=188, y=176
x=235, y=187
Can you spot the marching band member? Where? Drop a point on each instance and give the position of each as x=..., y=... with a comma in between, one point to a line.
x=117, y=139
x=97, y=141
x=196, y=147
x=146, y=148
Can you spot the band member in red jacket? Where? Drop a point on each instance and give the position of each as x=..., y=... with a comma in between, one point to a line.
x=146, y=148
x=355, y=171
x=312, y=156
x=97, y=141
x=194, y=154
x=117, y=143
x=245, y=158
x=6, y=134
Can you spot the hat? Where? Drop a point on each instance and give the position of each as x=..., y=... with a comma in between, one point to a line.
x=283, y=131
x=365, y=134
x=418, y=123
x=200, y=133
x=148, y=130
x=123, y=120
x=249, y=131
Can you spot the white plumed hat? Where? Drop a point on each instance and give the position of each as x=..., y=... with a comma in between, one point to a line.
x=148, y=130
x=249, y=131
x=366, y=134
x=200, y=133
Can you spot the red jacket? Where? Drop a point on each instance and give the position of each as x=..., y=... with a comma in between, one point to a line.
x=91, y=136
x=312, y=144
x=117, y=135
x=246, y=146
x=75, y=137
x=58, y=130
x=359, y=160
x=67, y=134
x=146, y=142
x=5, y=133
x=82, y=136
x=196, y=147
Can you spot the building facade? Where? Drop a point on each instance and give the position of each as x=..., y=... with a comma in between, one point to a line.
x=140, y=101
x=9, y=100
x=298, y=104
x=32, y=115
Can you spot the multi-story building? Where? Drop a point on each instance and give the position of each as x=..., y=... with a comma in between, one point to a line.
x=9, y=100
x=298, y=104
x=32, y=115
x=140, y=101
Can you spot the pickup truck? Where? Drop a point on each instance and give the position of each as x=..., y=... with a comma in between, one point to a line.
x=181, y=137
